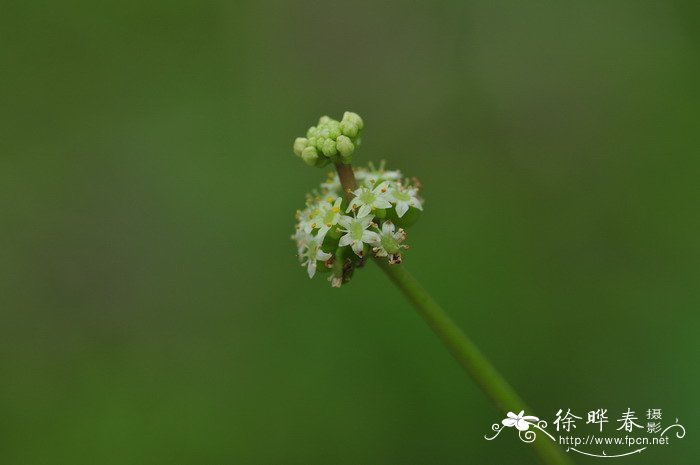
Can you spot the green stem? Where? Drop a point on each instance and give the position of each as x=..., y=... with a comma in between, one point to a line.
x=461, y=347
x=469, y=356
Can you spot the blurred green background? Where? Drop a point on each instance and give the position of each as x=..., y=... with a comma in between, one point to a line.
x=152, y=308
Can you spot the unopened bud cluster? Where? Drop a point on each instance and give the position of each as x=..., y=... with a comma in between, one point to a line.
x=335, y=235
x=330, y=140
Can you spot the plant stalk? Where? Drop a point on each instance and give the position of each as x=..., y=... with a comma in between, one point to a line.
x=460, y=346
x=469, y=356
x=347, y=179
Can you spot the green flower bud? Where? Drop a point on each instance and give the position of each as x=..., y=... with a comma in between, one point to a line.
x=309, y=155
x=329, y=149
x=344, y=146
x=353, y=118
x=330, y=141
x=333, y=130
x=349, y=128
x=300, y=144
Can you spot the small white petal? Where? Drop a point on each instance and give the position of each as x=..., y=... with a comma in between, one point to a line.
x=381, y=202
x=364, y=211
x=370, y=237
x=345, y=221
x=385, y=185
x=366, y=221
x=416, y=203
x=345, y=240
x=388, y=227
x=358, y=247
x=311, y=268
x=401, y=208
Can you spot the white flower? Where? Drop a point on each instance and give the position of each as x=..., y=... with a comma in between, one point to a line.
x=299, y=237
x=310, y=218
x=311, y=251
x=377, y=177
x=330, y=214
x=522, y=423
x=368, y=199
x=372, y=176
x=404, y=197
x=389, y=243
x=332, y=183
x=356, y=233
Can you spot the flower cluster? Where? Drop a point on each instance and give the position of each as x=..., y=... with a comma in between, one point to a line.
x=335, y=235
x=330, y=140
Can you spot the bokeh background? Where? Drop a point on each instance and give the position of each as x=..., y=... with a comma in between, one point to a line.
x=151, y=306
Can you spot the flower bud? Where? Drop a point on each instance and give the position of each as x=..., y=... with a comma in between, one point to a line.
x=330, y=141
x=329, y=148
x=353, y=118
x=309, y=155
x=344, y=146
x=349, y=128
x=319, y=143
x=300, y=144
x=334, y=129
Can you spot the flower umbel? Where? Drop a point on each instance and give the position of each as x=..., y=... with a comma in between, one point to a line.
x=343, y=232
x=355, y=211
